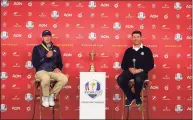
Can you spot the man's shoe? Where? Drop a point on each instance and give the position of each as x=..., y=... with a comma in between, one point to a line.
x=51, y=100
x=45, y=102
x=129, y=102
x=138, y=102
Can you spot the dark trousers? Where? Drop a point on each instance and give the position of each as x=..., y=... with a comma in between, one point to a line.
x=123, y=82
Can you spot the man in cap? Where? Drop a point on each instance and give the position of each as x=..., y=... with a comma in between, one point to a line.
x=47, y=60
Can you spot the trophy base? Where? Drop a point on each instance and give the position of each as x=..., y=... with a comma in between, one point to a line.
x=92, y=68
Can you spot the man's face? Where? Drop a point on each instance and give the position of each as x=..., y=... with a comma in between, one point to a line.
x=47, y=39
x=136, y=39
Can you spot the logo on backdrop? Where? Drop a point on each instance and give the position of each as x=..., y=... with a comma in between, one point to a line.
x=141, y=15
x=178, y=37
x=55, y=14
x=116, y=98
x=29, y=24
x=3, y=107
x=116, y=65
x=178, y=108
x=4, y=35
x=117, y=26
x=3, y=75
x=4, y=3
x=28, y=65
x=92, y=4
x=177, y=6
x=93, y=89
x=92, y=36
x=178, y=76
x=28, y=97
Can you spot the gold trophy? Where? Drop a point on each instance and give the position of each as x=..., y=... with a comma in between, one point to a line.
x=92, y=67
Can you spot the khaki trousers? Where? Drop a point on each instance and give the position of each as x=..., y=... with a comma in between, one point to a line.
x=45, y=77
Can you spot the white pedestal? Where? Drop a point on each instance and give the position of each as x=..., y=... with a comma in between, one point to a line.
x=92, y=95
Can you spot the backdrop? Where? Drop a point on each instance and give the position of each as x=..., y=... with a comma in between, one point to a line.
x=104, y=27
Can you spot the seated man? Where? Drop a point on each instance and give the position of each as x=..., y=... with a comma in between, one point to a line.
x=137, y=62
x=46, y=58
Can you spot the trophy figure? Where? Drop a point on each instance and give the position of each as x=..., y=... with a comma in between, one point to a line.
x=92, y=67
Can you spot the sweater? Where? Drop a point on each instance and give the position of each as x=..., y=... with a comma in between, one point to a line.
x=141, y=59
x=41, y=62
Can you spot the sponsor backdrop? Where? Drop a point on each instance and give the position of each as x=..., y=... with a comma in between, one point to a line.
x=104, y=27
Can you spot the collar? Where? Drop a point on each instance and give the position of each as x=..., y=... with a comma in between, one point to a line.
x=136, y=49
x=45, y=43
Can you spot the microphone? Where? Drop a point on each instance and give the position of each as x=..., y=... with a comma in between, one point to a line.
x=134, y=60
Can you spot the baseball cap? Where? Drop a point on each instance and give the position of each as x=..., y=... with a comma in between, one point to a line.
x=46, y=32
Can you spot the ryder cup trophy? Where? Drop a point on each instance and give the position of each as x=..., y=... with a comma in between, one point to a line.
x=92, y=67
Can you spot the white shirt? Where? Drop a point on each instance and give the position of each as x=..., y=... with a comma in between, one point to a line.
x=136, y=49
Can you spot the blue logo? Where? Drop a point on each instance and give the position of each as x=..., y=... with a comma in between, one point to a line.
x=116, y=65
x=3, y=107
x=93, y=88
x=3, y=75
x=92, y=36
x=92, y=4
x=28, y=65
x=178, y=108
x=178, y=76
x=117, y=26
x=116, y=98
x=28, y=97
x=55, y=14
x=4, y=35
x=4, y=3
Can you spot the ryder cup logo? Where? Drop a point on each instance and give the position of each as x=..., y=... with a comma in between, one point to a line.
x=3, y=107
x=4, y=3
x=93, y=89
x=116, y=98
x=28, y=97
x=92, y=4
x=177, y=6
x=3, y=75
x=55, y=14
x=4, y=35
x=28, y=65
x=178, y=76
x=178, y=37
x=117, y=26
x=29, y=24
x=116, y=65
x=178, y=108
x=141, y=15
x=92, y=36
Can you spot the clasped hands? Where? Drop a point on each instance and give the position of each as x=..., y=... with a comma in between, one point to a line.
x=135, y=71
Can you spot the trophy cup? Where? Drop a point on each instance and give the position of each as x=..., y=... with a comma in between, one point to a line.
x=92, y=67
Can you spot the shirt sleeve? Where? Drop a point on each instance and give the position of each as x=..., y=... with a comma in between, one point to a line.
x=149, y=65
x=59, y=63
x=124, y=64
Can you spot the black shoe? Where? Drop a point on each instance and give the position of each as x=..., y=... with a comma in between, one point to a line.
x=138, y=102
x=129, y=102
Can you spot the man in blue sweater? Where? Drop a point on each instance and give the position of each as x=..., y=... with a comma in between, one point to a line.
x=46, y=58
x=137, y=62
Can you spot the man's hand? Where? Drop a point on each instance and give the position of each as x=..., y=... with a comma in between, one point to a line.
x=138, y=70
x=132, y=70
x=49, y=54
x=57, y=70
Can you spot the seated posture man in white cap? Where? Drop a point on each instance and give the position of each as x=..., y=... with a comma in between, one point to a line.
x=46, y=58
